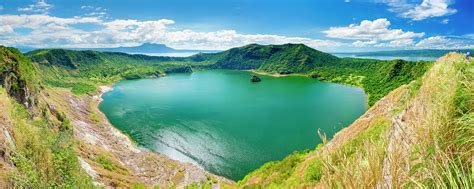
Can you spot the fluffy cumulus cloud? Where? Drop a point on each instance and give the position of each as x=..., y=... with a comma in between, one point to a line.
x=426, y=9
x=50, y=31
x=41, y=6
x=378, y=34
x=371, y=30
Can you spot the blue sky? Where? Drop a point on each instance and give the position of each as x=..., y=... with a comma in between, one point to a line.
x=328, y=25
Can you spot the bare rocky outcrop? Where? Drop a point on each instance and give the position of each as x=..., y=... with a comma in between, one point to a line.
x=18, y=77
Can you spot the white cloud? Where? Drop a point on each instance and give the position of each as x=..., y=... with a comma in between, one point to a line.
x=426, y=9
x=469, y=36
x=98, y=14
x=397, y=43
x=39, y=7
x=92, y=8
x=87, y=7
x=429, y=8
x=92, y=11
x=371, y=30
x=50, y=31
x=359, y=43
x=6, y=29
x=444, y=42
x=445, y=21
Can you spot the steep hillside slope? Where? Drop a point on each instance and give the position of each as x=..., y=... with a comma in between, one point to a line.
x=36, y=140
x=418, y=135
x=62, y=141
x=18, y=76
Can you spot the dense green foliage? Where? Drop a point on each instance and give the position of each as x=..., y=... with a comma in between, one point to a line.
x=376, y=77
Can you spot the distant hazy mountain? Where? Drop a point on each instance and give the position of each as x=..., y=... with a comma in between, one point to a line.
x=412, y=53
x=144, y=48
x=25, y=49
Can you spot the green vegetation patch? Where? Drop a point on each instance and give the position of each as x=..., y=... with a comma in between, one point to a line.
x=44, y=158
x=277, y=172
x=374, y=133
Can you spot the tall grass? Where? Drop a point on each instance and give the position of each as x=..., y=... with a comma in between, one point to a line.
x=444, y=126
x=359, y=162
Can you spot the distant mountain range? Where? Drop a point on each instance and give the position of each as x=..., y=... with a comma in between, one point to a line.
x=145, y=48
x=411, y=53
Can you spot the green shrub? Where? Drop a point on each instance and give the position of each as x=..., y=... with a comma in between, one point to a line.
x=314, y=171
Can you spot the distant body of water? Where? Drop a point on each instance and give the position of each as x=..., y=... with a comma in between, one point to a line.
x=221, y=121
x=344, y=55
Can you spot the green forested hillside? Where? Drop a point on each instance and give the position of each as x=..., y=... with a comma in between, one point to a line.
x=84, y=70
x=288, y=58
x=376, y=77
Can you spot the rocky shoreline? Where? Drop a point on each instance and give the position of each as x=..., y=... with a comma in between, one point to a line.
x=132, y=164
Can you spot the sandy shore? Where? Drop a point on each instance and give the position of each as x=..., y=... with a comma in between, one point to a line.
x=102, y=90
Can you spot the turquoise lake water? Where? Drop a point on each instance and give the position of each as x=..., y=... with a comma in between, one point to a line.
x=221, y=121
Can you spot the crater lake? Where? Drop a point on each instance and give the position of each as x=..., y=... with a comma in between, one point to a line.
x=230, y=126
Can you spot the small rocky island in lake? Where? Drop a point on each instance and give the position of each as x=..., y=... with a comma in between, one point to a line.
x=315, y=76
x=255, y=79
